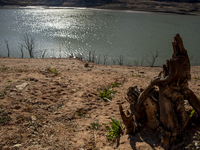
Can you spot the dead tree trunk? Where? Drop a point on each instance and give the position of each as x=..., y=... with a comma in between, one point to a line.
x=166, y=106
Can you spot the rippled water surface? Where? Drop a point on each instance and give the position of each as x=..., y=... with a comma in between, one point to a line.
x=135, y=36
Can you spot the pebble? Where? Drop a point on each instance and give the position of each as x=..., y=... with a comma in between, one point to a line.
x=17, y=145
x=21, y=86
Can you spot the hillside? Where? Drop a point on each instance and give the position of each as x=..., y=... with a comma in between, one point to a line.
x=170, y=6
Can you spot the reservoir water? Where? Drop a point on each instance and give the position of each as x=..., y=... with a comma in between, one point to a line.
x=110, y=35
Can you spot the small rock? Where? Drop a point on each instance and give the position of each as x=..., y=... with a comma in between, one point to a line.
x=33, y=118
x=14, y=142
x=48, y=79
x=26, y=124
x=21, y=86
x=12, y=94
x=56, y=113
x=86, y=65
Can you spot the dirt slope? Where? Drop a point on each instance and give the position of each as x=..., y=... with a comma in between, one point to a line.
x=44, y=108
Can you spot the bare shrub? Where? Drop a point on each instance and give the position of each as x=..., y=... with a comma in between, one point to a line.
x=89, y=58
x=121, y=60
x=29, y=44
x=21, y=50
x=7, y=45
x=80, y=55
x=136, y=62
x=154, y=56
x=105, y=58
x=93, y=57
x=114, y=62
x=142, y=61
x=98, y=59
x=43, y=53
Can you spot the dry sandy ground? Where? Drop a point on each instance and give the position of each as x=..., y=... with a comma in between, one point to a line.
x=42, y=110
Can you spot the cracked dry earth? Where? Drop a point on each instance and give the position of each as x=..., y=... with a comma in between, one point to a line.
x=49, y=110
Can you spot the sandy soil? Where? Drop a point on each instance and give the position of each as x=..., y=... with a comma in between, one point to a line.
x=42, y=109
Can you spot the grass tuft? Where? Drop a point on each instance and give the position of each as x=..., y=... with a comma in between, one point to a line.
x=5, y=119
x=107, y=94
x=4, y=68
x=2, y=94
x=196, y=78
x=53, y=71
x=95, y=125
x=80, y=112
x=116, y=84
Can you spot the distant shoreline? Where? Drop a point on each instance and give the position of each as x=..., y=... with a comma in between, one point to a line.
x=172, y=8
x=147, y=10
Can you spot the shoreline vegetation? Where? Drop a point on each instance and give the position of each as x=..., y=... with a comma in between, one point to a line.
x=184, y=8
x=27, y=48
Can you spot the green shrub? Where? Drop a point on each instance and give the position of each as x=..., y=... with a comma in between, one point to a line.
x=115, y=130
x=54, y=71
x=107, y=94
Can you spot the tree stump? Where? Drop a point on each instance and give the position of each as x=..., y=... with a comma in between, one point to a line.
x=164, y=108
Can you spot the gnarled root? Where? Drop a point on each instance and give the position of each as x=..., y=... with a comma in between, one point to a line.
x=128, y=121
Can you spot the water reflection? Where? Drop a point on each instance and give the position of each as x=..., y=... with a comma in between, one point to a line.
x=63, y=32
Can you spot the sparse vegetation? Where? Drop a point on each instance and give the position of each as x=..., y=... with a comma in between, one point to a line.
x=5, y=119
x=114, y=130
x=2, y=94
x=116, y=84
x=53, y=71
x=25, y=79
x=21, y=70
x=95, y=125
x=80, y=112
x=196, y=78
x=107, y=94
x=4, y=68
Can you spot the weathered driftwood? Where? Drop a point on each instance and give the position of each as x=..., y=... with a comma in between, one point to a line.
x=164, y=108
